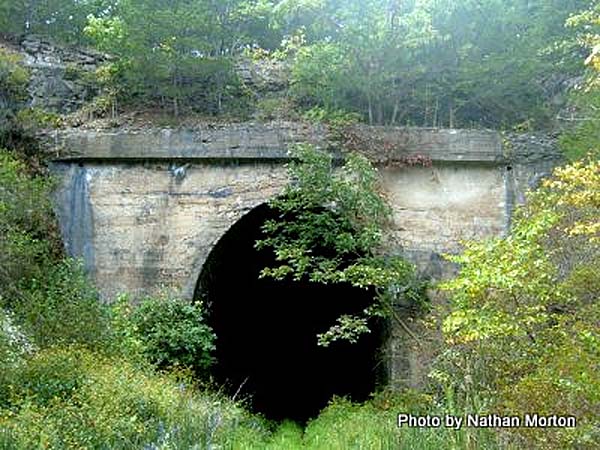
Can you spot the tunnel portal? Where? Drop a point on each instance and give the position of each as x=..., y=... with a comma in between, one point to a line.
x=266, y=331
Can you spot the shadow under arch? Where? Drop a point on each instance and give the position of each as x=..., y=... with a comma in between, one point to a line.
x=266, y=330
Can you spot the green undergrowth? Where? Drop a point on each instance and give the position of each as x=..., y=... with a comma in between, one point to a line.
x=370, y=425
x=73, y=398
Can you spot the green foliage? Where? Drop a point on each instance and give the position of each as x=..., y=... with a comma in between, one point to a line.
x=340, y=425
x=319, y=74
x=335, y=117
x=72, y=398
x=176, y=55
x=330, y=229
x=430, y=63
x=581, y=136
x=581, y=140
x=371, y=425
x=14, y=344
x=26, y=225
x=32, y=119
x=346, y=425
x=168, y=332
x=50, y=299
x=522, y=332
x=63, y=20
x=14, y=80
x=62, y=308
x=12, y=15
x=274, y=108
x=587, y=21
x=73, y=372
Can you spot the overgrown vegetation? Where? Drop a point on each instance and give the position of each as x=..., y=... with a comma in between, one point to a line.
x=167, y=331
x=580, y=136
x=14, y=81
x=492, y=63
x=71, y=398
x=330, y=229
x=522, y=333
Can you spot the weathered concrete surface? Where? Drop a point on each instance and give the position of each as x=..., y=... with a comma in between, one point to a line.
x=143, y=228
x=248, y=141
x=263, y=141
x=435, y=207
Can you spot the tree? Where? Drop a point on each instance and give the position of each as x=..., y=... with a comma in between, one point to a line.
x=63, y=20
x=451, y=63
x=581, y=136
x=178, y=54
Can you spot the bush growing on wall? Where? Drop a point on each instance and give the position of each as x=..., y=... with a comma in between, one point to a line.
x=330, y=230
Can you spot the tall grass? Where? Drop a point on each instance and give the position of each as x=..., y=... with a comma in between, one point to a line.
x=370, y=426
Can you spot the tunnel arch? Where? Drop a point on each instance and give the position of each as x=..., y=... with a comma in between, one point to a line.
x=266, y=330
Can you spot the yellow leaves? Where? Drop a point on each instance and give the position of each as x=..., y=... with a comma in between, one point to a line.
x=576, y=187
x=469, y=325
x=590, y=228
x=507, y=286
x=578, y=184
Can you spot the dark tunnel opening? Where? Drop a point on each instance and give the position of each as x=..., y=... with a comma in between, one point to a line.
x=266, y=331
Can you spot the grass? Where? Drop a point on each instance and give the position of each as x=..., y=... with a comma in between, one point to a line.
x=370, y=426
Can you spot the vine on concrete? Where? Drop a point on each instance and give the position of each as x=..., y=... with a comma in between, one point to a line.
x=329, y=230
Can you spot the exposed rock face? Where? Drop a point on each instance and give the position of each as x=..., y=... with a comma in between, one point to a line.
x=58, y=74
x=62, y=76
x=535, y=156
x=264, y=76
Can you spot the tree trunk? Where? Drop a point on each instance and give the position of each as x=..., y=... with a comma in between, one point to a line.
x=175, y=94
x=395, y=112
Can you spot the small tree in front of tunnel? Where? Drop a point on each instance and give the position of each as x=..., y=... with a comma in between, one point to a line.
x=330, y=229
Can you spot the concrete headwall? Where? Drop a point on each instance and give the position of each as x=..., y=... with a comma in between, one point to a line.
x=143, y=208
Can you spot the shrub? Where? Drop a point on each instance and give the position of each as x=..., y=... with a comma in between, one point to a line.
x=27, y=228
x=72, y=398
x=14, y=344
x=346, y=425
x=523, y=333
x=63, y=308
x=168, y=331
x=14, y=80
